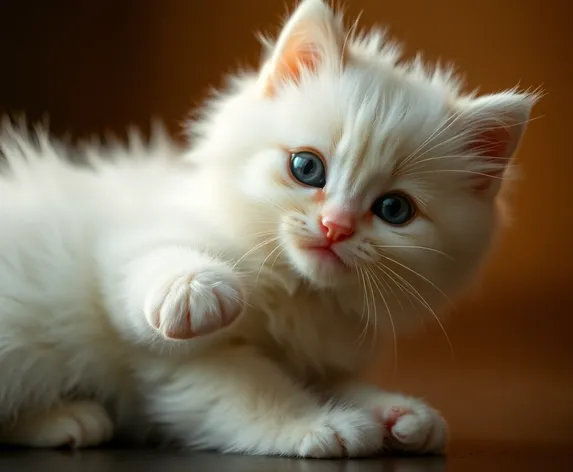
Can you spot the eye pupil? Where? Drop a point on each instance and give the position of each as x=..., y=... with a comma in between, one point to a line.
x=308, y=169
x=394, y=208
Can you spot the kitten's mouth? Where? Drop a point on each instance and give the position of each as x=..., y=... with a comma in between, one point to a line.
x=326, y=254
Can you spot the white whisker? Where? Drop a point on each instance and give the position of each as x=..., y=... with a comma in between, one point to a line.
x=254, y=248
x=418, y=275
x=259, y=234
x=277, y=256
x=418, y=296
x=382, y=281
x=460, y=171
x=375, y=314
x=364, y=331
x=395, y=338
x=386, y=246
x=264, y=261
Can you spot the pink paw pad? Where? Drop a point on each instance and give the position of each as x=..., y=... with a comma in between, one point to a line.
x=390, y=418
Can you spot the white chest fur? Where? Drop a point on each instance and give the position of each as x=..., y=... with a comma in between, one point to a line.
x=311, y=332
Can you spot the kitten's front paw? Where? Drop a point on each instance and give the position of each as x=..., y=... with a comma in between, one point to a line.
x=196, y=303
x=411, y=426
x=342, y=432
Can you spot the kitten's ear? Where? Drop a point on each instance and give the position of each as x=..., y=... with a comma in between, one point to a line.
x=312, y=37
x=495, y=125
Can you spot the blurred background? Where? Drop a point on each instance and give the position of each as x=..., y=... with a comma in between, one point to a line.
x=96, y=66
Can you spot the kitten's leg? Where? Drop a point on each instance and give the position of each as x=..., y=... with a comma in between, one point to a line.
x=75, y=424
x=409, y=424
x=238, y=401
x=180, y=292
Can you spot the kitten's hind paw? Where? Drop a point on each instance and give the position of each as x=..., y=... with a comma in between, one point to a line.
x=196, y=303
x=76, y=425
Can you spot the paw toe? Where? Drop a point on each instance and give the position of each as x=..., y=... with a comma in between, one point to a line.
x=343, y=433
x=416, y=429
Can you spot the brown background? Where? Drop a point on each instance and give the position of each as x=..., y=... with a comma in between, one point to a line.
x=97, y=65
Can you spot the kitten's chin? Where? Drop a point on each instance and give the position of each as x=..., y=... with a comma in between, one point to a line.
x=320, y=266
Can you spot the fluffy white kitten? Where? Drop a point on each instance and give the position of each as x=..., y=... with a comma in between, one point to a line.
x=331, y=189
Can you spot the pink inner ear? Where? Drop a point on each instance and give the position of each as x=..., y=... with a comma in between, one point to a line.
x=294, y=60
x=493, y=144
x=296, y=56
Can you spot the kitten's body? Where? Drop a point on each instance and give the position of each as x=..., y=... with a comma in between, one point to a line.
x=102, y=268
x=58, y=336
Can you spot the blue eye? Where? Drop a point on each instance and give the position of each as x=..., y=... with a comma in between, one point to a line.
x=394, y=208
x=308, y=169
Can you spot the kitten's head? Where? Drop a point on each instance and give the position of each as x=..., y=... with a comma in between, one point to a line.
x=362, y=167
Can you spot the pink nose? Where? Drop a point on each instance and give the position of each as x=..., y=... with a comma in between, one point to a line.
x=337, y=229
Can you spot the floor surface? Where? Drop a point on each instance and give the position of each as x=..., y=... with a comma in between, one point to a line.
x=117, y=460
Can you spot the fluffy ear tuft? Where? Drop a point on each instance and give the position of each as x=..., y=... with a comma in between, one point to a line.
x=495, y=125
x=312, y=37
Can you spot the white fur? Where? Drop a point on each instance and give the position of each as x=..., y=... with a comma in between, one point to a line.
x=101, y=265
